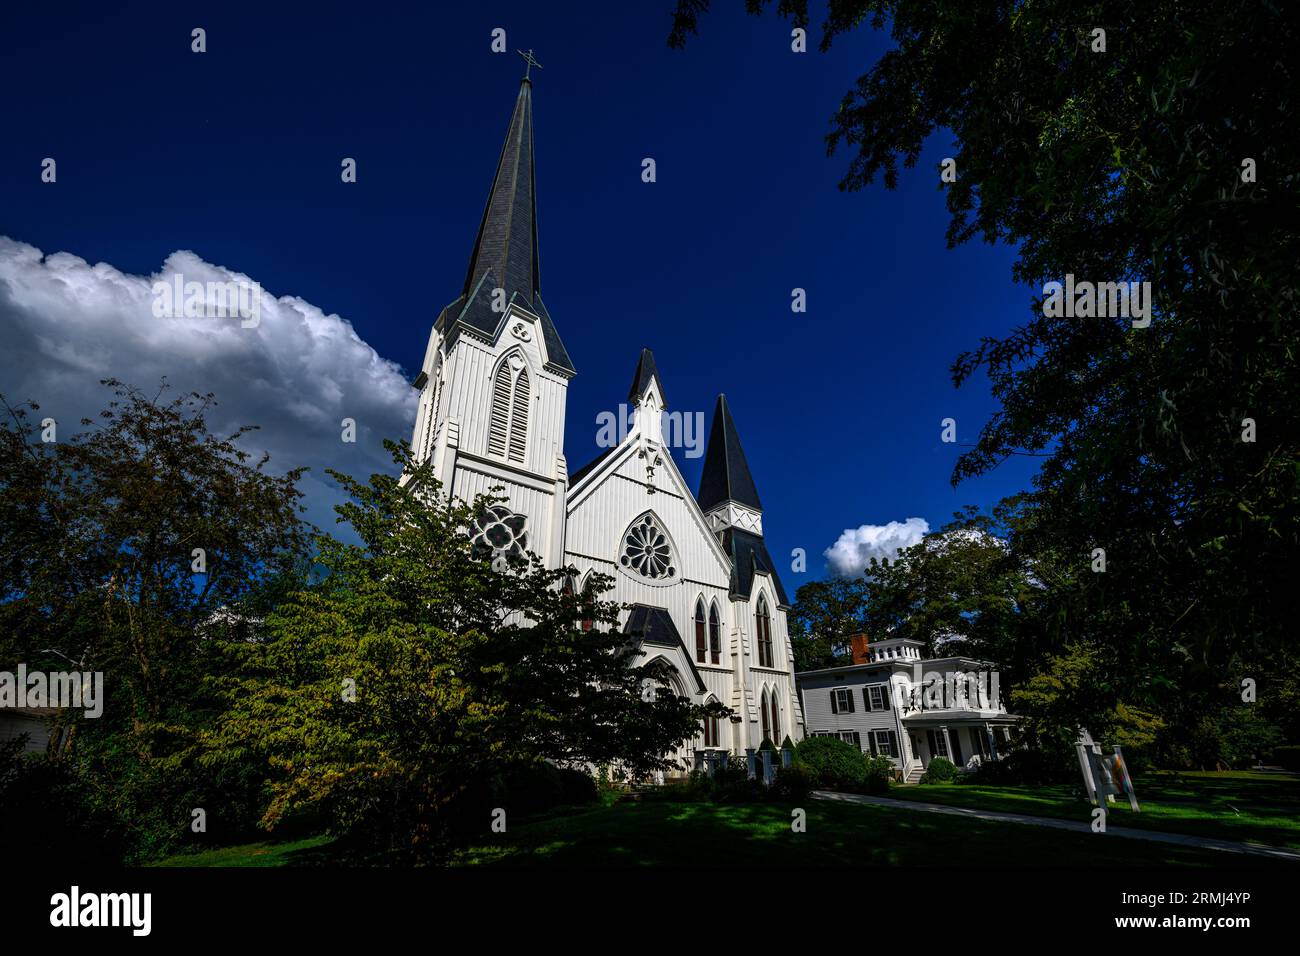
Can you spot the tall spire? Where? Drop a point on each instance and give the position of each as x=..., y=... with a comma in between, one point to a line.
x=507, y=236
x=505, y=249
x=726, y=474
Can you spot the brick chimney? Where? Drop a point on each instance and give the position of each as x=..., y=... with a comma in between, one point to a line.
x=859, y=645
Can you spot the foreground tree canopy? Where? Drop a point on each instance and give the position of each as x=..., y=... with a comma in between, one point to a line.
x=1161, y=154
x=259, y=672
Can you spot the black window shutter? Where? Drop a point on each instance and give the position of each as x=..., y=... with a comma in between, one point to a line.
x=871, y=740
x=866, y=698
x=850, y=699
x=835, y=706
x=889, y=697
x=929, y=738
x=893, y=744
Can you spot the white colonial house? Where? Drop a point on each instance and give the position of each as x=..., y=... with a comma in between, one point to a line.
x=702, y=590
x=893, y=701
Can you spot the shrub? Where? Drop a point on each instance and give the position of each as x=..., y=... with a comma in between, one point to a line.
x=577, y=787
x=880, y=771
x=939, y=770
x=1024, y=768
x=832, y=764
x=1287, y=756
x=793, y=783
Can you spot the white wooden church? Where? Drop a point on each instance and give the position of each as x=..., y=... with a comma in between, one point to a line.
x=703, y=590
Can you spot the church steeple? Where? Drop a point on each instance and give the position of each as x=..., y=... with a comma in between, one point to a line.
x=504, y=256
x=726, y=474
x=506, y=243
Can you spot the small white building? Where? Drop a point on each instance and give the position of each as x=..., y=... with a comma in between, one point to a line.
x=894, y=701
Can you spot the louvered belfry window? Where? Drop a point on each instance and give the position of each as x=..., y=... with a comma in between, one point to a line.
x=508, y=434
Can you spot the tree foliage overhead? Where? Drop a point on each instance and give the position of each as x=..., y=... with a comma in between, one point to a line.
x=1128, y=164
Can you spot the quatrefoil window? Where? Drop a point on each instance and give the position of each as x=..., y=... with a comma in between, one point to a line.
x=497, y=531
x=646, y=550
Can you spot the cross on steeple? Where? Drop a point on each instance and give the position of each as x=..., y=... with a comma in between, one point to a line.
x=528, y=58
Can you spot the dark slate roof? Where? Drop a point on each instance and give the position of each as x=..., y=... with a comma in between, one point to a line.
x=654, y=625
x=590, y=466
x=507, y=235
x=505, y=249
x=646, y=372
x=749, y=555
x=726, y=473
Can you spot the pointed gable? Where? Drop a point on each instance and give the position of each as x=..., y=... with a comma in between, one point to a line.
x=646, y=372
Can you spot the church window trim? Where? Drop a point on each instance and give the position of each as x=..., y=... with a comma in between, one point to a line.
x=715, y=634
x=763, y=633
x=647, y=553
x=701, y=632
x=511, y=394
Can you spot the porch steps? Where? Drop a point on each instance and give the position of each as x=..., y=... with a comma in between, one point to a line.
x=913, y=775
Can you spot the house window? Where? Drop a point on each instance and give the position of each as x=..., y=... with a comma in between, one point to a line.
x=851, y=737
x=508, y=428
x=841, y=700
x=701, y=640
x=715, y=635
x=876, y=696
x=885, y=743
x=764, y=623
x=938, y=743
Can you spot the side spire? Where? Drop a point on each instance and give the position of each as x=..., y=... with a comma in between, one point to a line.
x=726, y=475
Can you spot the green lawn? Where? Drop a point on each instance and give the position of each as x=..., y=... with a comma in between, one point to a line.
x=687, y=834
x=311, y=851
x=1245, y=806
x=1236, y=805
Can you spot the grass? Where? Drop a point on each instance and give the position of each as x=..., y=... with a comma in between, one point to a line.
x=677, y=834
x=1245, y=806
x=306, y=852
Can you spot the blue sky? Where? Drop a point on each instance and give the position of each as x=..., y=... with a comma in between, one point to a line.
x=234, y=154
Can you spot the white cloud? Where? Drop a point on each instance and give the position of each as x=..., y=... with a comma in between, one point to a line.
x=849, y=555
x=67, y=324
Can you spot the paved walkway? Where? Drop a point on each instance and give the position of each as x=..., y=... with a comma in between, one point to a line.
x=1156, y=836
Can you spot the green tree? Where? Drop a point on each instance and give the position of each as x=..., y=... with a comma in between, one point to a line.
x=824, y=616
x=962, y=586
x=1165, y=157
x=98, y=532
x=385, y=692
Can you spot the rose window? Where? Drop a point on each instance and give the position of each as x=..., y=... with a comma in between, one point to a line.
x=646, y=550
x=498, y=530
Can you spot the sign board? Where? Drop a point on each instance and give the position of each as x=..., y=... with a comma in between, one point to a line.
x=1105, y=775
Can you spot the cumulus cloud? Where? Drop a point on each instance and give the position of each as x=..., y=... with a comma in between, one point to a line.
x=849, y=555
x=297, y=373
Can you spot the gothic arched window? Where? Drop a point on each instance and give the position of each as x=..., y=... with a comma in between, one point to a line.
x=763, y=622
x=715, y=635
x=701, y=640
x=508, y=430
x=646, y=550
x=762, y=709
x=711, y=730
x=776, y=718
